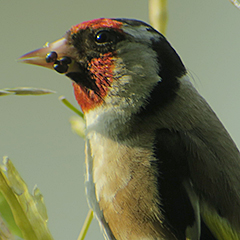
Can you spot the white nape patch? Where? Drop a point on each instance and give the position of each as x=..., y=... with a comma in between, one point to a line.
x=139, y=32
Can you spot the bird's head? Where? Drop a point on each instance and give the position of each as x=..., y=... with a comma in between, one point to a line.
x=118, y=64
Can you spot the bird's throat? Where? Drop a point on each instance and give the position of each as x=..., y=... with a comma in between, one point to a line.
x=86, y=98
x=91, y=89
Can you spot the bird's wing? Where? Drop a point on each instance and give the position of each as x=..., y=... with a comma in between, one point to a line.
x=214, y=165
x=197, y=184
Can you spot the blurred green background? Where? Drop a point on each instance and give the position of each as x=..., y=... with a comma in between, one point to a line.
x=34, y=130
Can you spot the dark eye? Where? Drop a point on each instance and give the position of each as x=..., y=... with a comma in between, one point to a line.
x=105, y=37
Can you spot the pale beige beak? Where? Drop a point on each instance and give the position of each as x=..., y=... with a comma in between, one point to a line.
x=38, y=57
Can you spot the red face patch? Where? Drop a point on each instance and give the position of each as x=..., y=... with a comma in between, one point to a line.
x=101, y=70
x=97, y=23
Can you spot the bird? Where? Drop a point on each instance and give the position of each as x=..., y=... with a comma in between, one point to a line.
x=159, y=163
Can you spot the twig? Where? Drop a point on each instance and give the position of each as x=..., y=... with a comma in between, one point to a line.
x=69, y=105
x=86, y=225
x=158, y=15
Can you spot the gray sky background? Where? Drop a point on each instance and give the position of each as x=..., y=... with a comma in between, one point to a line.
x=34, y=130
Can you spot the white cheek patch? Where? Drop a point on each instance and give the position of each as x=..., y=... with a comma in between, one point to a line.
x=139, y=33
x=134, y=80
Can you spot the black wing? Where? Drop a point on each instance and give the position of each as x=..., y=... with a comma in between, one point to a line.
x=188, y=159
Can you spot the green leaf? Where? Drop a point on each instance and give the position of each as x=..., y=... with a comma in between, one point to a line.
x=4, y=93
x=8, y=228
x=25, y=91
x=28, y=210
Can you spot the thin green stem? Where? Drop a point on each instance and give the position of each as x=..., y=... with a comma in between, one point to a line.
x=158, y=15
x=86, y=225
x=70, y=106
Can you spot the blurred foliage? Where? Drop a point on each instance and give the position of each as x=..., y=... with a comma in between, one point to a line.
x=70, y=106
x=158, y=15
x=86, y=225
x=235, y=3
x=78, y=125
x=23, y=215
x=24, y=91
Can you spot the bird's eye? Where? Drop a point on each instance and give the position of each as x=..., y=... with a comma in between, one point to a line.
x=104, y=37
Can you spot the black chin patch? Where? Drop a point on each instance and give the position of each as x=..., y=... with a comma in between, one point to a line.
x=83, y=79
x=77, y=77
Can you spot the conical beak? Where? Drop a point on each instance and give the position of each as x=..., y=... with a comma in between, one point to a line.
x=51, y=54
